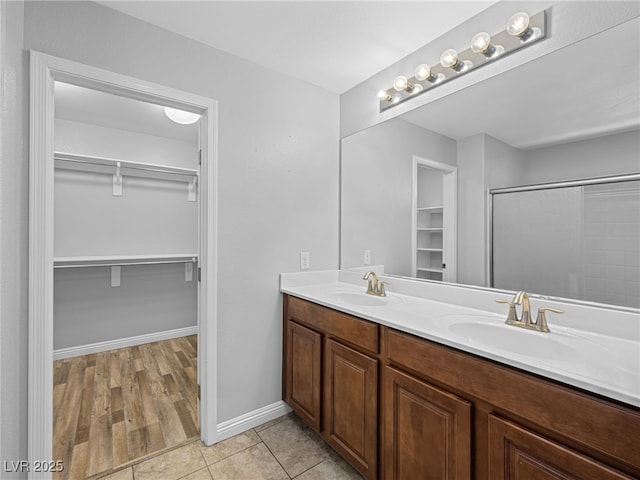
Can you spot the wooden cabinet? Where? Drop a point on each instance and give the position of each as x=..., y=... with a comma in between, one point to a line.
x=428, y=430
x=517, y=453
x=302, y=388
x=333, y=357
x=444, y=414
x=547, y=430
x=351, y=405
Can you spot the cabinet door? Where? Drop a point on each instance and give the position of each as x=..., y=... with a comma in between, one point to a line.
x=351, y=406
x=302, y=370
x=427, y=431
x=516, y=453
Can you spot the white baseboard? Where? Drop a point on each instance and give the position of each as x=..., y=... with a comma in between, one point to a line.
x=250, y=420
x=123, y=342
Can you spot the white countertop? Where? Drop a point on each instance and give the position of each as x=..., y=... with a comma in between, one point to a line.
x=595, y=349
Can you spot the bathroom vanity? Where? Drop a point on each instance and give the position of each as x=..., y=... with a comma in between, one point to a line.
x=398, y=397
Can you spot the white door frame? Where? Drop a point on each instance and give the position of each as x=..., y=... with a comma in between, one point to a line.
x=449, y=215
x=45, y=69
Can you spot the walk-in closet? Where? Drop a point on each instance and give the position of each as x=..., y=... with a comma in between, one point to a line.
x=126, y=256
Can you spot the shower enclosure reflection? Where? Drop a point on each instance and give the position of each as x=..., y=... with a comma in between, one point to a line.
x=574, y=241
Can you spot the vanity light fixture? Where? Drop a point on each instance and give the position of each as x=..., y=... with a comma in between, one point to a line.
x=522, y=30
x=180, y=116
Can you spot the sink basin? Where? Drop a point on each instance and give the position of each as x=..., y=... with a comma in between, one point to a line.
x=516, y=340
x=360, y=299
x=492, y=333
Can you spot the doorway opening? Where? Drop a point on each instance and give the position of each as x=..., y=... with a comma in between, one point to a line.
x=434, y=220
x=122, y=256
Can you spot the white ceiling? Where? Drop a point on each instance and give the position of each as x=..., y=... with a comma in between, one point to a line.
x=104, y=109
x=333, y=44
x=586, y=89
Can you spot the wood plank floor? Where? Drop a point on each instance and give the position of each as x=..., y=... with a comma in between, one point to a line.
x=114, y=407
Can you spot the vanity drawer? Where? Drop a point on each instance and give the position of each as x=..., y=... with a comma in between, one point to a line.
x=352, y=330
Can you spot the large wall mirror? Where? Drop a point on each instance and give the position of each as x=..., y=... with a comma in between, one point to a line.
x=417, y=190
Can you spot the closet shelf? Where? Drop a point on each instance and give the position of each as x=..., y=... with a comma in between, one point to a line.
x=430, y=209
x=429, y=229
x=426, y=269
x=428, y=249
x=74, y=161
x=116, y=260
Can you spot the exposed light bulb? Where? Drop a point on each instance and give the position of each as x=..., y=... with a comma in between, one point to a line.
x=449, y=59
x=180, y=116
x=518, y=25
x=423, y=72
x=400, y=83
x=481, y=42
x=383, y=95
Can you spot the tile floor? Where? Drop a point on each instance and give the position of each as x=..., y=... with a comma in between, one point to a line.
x=282, y=449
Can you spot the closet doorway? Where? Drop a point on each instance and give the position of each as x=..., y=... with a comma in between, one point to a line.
x=122, y=260
x=434, y=220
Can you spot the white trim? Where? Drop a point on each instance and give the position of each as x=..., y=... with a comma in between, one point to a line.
x=45, y=69
x=252, y=419
x=450, y=226
x=40, y=368
x=69, y=352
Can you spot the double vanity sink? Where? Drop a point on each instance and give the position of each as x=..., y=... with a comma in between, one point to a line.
x=428, y=381
x=578, y=350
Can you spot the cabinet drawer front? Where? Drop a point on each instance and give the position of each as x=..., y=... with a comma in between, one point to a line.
x=516, y=453
x=348, y=329
x=427, y=430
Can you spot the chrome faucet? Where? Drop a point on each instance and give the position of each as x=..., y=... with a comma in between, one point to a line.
x=375, y=286
x=521, y=298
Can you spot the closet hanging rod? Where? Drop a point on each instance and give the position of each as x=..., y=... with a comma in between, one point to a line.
x=123, y=264
x=109, y=162
x=79, y=262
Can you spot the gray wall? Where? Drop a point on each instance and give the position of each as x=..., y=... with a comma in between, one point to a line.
x=484, y=163
x=152, y=216
x=596, y=157
x=150, y=299
x=278, y=188
x=472, y=223
x=14, y=218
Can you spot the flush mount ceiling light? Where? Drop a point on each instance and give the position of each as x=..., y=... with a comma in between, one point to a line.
x=522, y=30
x=180, y=116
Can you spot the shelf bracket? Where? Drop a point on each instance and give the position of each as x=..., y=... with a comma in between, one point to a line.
x=188, y=272
x=191, y=192
x=117, y=181
x=115, y=275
